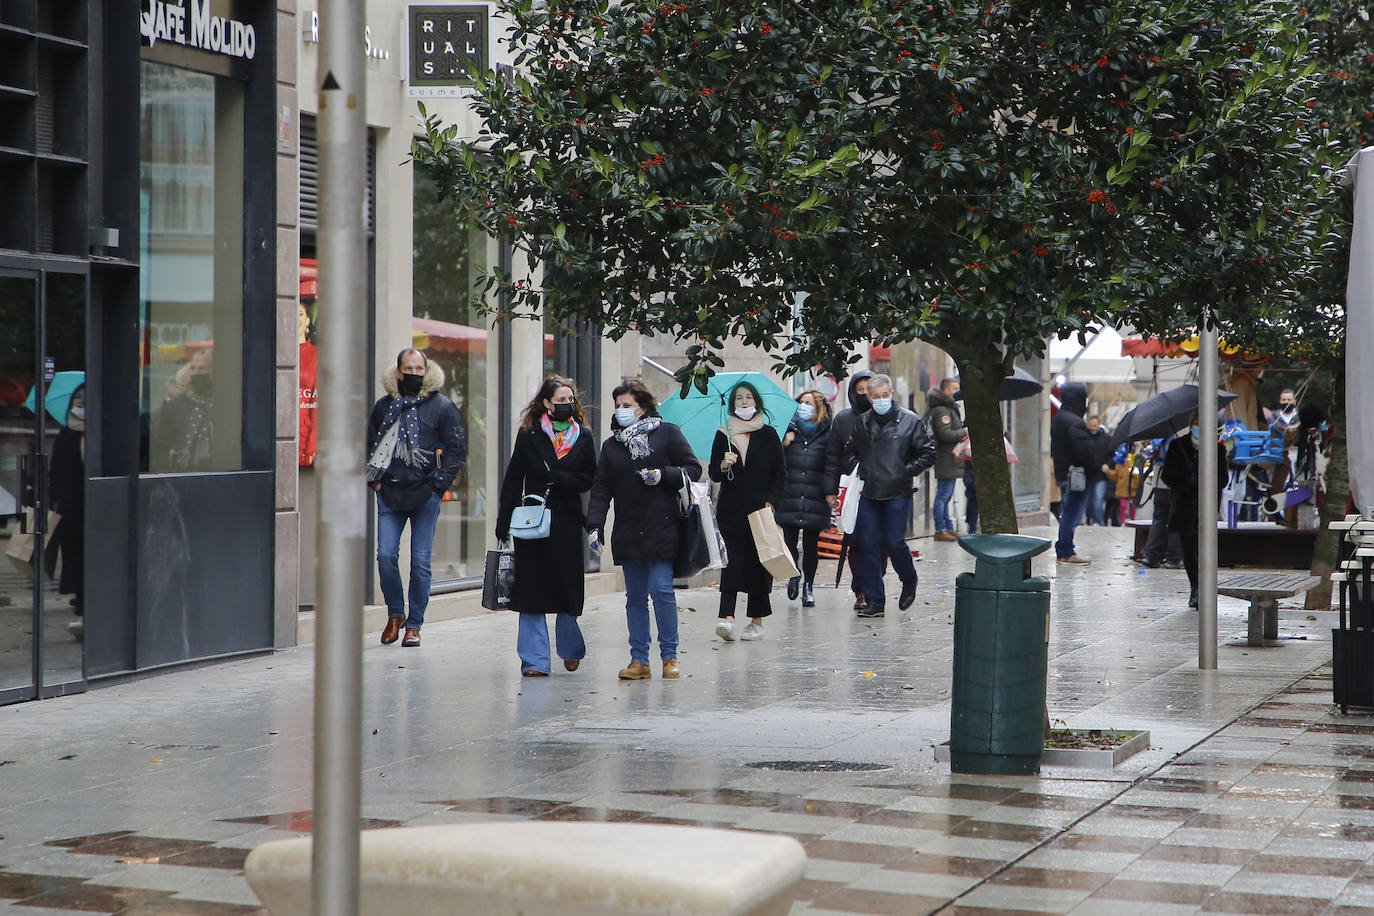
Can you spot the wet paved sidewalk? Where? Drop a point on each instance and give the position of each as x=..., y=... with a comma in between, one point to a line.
x=1255, y=796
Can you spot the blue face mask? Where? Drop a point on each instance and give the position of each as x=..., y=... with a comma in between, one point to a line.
x=625, y=415
x=1196, y=433
x=881, y=406
x=805, y=412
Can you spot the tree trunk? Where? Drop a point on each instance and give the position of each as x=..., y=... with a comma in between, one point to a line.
x=1326, y=552
x=981, y=370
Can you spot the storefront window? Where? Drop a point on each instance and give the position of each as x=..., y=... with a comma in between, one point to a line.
x=191, y=253
x=446, y=263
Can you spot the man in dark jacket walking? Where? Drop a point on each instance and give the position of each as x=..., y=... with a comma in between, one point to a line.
x=893, y=447
x=416, y=447
x=948, y=428
x=1071, y=449
x=840, y=430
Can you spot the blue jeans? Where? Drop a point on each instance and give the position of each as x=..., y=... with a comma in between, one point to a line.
x=1097, y=501
x=1070, y=514
x=390, y=522
x=944, y=492
x=532, y=640
x=642, y=581
x=882, y=527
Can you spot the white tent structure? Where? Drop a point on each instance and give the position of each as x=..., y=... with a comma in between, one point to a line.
x=1359, y=335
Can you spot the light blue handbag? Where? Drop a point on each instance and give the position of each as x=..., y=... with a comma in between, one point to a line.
x=530, y=522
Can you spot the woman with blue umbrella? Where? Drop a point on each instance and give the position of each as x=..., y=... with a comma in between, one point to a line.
x=747, y=461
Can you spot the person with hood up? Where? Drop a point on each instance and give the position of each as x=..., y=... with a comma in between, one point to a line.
x=1071, y=450
x=803, y=511
x=416, y=447
x=948, y=428
x=893, y=447
x=642, y=468
x=747, y=461
x=840, y=430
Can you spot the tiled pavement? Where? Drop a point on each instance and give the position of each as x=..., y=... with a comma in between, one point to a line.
x=1256, y=795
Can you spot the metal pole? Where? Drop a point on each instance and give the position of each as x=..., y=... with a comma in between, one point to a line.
x=1207, y=498
x=341, y=454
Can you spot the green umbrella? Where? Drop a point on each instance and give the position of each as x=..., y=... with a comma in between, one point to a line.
x=700, y=415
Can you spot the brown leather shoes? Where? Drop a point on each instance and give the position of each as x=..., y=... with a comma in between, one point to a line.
x=636, y=671
x=392, y=631
x=571, y=664
x=412, y=638
x=946, y=536
x=670, y=668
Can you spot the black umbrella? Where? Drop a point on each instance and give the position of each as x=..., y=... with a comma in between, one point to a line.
x=1020, y=384
x=1162, y=415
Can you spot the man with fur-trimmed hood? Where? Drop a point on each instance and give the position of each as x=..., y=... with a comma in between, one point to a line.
x=416, y=447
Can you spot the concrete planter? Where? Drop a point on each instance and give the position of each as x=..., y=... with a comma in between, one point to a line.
x=1088, y=758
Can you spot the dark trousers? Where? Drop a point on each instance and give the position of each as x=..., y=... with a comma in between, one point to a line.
x=970, y=499
x=810, y=556
x=882, y=527
x=1188, y=543
x=1161, y=544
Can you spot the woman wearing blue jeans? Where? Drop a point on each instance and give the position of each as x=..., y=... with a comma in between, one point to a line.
x=642, y=468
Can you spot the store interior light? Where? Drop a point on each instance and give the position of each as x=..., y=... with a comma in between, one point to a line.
x=1061, y=380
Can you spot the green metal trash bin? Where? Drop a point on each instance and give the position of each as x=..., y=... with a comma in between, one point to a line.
x=1001, y=653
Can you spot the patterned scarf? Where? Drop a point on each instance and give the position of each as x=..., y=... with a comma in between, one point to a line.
x=400, y=439
x=635, y=437
x=563, y=435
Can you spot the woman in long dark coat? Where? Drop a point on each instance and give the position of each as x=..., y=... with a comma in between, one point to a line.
x=803, y=512
x=553, y=455
x=747, y=462
x=1180, y=475
x=643, y=466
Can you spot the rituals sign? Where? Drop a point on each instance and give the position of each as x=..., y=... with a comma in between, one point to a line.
x=445, y=44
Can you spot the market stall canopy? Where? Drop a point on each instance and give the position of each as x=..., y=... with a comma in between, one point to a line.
x=458, y=339
x=1146, y=347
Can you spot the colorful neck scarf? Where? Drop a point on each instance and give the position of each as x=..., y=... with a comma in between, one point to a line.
x=562, y=435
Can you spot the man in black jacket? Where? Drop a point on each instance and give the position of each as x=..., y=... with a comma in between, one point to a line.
x=840, y=430
x=893, y=447
x=1071, y=447
x=416, y=447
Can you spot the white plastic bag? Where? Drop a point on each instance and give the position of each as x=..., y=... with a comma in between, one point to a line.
x=847, y=499
x=715, y=544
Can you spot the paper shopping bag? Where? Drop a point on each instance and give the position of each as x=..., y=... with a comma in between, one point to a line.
x=773, y=552
x=20, y=551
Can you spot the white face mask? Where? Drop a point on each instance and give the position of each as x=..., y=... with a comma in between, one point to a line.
x=881, y=406
x=625, y=415
x=746, y=413
x=805, y=412
x=79, y=413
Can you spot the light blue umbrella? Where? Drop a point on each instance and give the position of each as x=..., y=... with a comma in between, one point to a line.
x=59, y=395
x=700, y=415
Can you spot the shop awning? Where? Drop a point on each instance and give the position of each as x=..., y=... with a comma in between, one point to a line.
x=447, y=337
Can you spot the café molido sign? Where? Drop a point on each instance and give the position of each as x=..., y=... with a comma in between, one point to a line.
x=192, y=24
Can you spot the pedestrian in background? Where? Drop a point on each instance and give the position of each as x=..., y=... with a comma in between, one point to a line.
x=1123, y=478
x=840, y=430
x=1181, y=475
x=553, y=458
x=1099, y=472
x=948, y=428
x=747, y=462
x=1071, y=450
x=893, y=447
x=643, y=467
x=803, y=512
x=416, y=446
x=1162, y=546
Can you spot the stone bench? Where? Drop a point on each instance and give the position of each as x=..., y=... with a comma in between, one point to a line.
x=1263, y=590
x=533, y=868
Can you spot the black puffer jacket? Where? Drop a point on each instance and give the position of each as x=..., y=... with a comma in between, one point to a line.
x=841, y=428
x=803, y=502
x=405, y=488
x=892, y=450
x=648, y=520
x=1070, y=442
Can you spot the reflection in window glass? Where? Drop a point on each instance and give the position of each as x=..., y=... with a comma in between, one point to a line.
x=446, y=263
x=191, y=254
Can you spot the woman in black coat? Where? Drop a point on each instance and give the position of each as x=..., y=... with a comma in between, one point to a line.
x=643, y=467
x=554, y=457
x=802, y=511
x=1180, y=475
x=747, y=461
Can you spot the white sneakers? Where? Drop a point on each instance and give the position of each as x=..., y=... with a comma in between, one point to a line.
x=725, y=629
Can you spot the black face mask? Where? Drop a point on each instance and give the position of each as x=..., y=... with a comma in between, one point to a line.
x=860, y=403
x=410, y=384
x=203, y=385
x=561, y=413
